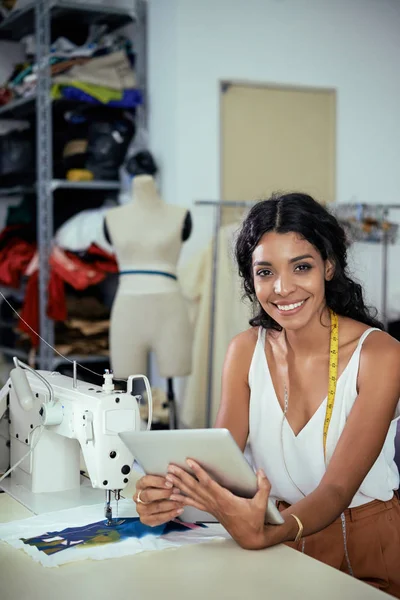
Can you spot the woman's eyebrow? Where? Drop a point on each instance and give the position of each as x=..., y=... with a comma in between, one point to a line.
x=265, y=263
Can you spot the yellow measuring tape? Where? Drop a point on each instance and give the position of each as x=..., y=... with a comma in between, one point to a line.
x=333, y=371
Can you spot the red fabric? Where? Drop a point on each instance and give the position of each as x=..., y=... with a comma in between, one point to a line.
x=103, y=260
x=65, y=267
x=5, y=96
x=15, y=255
x=57, y=304
x=30, y=309
x=74, y=270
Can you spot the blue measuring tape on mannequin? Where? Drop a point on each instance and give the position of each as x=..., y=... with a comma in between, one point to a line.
x=140, y=272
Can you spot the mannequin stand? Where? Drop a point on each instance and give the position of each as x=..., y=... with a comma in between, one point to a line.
x=171, y=404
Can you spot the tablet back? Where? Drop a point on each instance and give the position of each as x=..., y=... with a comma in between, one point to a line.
x=214, y=449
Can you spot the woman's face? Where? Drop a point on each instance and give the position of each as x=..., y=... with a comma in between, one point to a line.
x=289, y=278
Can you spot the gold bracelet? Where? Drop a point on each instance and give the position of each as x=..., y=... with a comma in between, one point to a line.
x=300, y=532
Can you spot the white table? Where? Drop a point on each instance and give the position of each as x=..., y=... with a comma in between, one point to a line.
x=219, y=569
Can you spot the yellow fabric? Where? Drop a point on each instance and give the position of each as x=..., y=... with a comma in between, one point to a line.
x=232, y=317
x=79, y=175
x=101, y=93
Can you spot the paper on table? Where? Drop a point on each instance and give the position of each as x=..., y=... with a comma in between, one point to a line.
x=14, y=533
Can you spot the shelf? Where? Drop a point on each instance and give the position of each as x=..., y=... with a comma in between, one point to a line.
x=20, y=23
x=17, y=190
x=57, y=360
x=62, y=184
x=14, y=352
x=24, y=108
x=18, y=109
x=17, y=292
x=7, y=324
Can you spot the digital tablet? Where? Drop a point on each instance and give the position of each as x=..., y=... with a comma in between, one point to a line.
x=214, y=449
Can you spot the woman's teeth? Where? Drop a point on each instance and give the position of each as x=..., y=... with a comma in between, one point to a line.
x=290, y=306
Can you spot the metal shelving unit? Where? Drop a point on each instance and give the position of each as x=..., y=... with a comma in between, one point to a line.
x=62, y=12
x=17, y=190
x=38, y=17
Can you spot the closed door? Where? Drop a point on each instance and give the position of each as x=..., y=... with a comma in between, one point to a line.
x=277, y=139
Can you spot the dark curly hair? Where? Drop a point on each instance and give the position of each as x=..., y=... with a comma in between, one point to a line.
x=301, y=214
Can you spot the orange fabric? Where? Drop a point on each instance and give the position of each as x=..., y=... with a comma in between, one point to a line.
x=373, y=543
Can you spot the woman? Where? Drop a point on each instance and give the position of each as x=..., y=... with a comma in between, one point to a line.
x=314, y=387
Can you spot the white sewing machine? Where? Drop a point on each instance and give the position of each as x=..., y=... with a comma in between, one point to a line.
x=51, y=419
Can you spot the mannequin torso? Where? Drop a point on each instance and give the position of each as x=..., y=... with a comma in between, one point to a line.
x=147, y=235
x=149, y=311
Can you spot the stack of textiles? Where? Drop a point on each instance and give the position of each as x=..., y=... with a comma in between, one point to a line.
x=68, y=270
x=98, y=72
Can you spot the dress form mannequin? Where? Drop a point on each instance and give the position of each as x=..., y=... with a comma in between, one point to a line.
x=149, y=312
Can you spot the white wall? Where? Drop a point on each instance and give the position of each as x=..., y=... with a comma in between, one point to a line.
x=350, y=45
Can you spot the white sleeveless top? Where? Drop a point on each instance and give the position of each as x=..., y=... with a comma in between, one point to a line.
x=304, y=455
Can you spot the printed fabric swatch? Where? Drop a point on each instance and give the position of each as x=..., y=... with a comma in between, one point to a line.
x=75, y=534
x=98, y=534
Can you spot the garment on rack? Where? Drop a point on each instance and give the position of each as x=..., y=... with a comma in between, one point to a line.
x=232, y=317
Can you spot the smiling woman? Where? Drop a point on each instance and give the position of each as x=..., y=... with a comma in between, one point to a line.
x=313, y=387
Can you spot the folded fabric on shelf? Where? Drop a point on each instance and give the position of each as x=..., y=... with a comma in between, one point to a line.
x=88, y=308
x=89, y=328
x=114, y=68
x=128, y=99
x=100, y=93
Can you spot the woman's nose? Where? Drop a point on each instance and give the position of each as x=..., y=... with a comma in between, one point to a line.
x=284, y=285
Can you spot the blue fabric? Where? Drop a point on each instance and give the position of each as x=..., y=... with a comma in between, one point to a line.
x=140, y=272
x=99, y=533
x=130, y=98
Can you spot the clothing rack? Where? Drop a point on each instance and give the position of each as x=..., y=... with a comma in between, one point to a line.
x=218, y=205
x=382, y=209
x=37, y=18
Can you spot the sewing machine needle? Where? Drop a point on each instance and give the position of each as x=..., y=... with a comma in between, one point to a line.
x=117, y=497
x=108, y=509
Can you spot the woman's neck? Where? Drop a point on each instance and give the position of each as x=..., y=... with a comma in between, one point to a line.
x=145, y=193
x=313, y=338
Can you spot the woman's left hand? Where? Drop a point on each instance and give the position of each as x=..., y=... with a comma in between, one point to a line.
x=243, y=518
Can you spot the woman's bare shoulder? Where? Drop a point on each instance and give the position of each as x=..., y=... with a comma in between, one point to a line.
x=241, y=349
x=245, y=341
x=376, y=343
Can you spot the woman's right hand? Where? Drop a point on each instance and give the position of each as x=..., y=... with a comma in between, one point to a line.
x=153, y=505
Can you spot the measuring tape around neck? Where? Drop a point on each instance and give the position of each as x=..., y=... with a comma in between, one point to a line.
x=333, y=371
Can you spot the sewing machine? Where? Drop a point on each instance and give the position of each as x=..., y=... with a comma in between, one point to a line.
x=51, y=420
